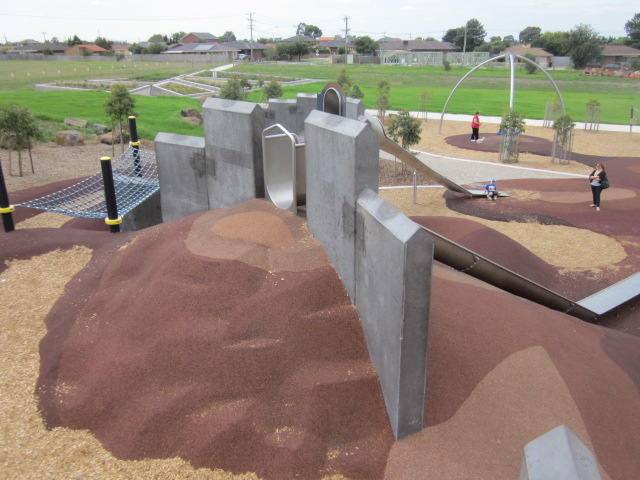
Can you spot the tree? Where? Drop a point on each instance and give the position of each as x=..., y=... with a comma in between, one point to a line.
x=156, y=38
x=299, y=48
x=405, y=128
x=272, y=90
x=175, y=37
x=382, y=98
x=312, y=31
x=136, y=49
x=494, y=46
x=530, y=68
x=283, y=50
x=474, y=32
x=353, y=91
x=119, y=105
x=156, y=48
x=233, y=90
x=17, y=128
x=300, y=28
x=366, y=46
x=529, y=35
x=75, y=40
x=343, y=78
x=583, y=45
x=104, y=43
x=553, y=42
x=632, y=27
x=228, y=36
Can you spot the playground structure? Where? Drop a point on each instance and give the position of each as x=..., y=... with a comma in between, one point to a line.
x=383, y=258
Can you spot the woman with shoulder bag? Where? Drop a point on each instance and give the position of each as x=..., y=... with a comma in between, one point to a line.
x=598, y=180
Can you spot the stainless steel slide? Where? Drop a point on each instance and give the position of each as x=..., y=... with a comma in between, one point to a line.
x=391, y=147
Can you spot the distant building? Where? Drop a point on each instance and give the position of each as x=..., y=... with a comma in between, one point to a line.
x=395, y=45
x=620, y=54
x=121, y=50
x=59, y=48
x=80, y=50
x=542, y=57
x=199, y=37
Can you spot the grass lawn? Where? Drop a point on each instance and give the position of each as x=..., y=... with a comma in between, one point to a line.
x=486, y=90
x=155, y=114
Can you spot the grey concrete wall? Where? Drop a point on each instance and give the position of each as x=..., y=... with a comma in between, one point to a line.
x=284, y=112
x=558, y=454
x=354, y=108
x=146, y=214
x=233, y=140
x=342, y=160
x=393, y=291
x=182, y=171
x=307, y=102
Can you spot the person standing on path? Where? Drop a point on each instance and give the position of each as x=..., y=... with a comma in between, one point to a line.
x=475, y=127
x=597, y=178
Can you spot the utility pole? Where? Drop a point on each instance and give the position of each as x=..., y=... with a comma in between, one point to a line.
x=346, y=37
x=251, y=30
x=464, y=48
x=44, y=37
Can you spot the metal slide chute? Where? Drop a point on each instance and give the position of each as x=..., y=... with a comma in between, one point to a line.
x=392, y=148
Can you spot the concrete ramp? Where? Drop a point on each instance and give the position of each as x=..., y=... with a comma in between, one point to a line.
x=392, y=148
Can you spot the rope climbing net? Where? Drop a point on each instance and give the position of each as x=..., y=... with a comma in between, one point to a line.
x=135, y=177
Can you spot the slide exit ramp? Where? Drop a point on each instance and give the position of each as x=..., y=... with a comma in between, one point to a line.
x=464, y=260
x=392, y=148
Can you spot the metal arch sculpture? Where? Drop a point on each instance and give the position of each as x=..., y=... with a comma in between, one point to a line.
x=512, y=57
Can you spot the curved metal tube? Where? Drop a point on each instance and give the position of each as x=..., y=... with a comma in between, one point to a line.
x=492, y=59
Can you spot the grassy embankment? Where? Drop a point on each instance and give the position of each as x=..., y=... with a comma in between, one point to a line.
x=486, y=90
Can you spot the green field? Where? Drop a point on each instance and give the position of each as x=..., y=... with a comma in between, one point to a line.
x=486, y=90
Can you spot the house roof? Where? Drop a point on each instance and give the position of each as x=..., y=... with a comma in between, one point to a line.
x=40, y=47
x=326, y=39
x=522, y=50
x=299, y=38
x=243, y=45
x=202, y=35
x=417, y=45
x=202, y=48
x=93, y=48
x=332, y=43
x=620, y=50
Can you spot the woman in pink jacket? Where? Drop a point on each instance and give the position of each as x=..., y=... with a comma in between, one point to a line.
x=475, y=127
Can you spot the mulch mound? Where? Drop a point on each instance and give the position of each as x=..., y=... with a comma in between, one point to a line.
x=179, y=350
x=227, y=339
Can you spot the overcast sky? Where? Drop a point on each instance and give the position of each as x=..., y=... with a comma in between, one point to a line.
x=137, y=20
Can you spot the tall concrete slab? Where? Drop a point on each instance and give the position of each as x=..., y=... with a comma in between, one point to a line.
x=182, y=174
x=342, y=160
x=393, y=291
x=146, y=214
x=233, y=142
x=283, y=112
x=354, y=108
x=558, y=454
x=306, y=103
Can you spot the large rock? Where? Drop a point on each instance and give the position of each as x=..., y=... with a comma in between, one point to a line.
x=75, y=122
x=69, y=138
x=193, y=120
x=99, y=128
x=191, y=112
x=114, y=137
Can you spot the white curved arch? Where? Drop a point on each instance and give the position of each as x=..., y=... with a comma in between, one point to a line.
x=511, y=56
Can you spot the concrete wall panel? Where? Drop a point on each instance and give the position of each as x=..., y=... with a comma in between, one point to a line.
x=393, y=290
x=342, y=160
x=182, y=171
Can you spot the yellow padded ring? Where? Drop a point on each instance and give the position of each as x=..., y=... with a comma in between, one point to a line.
x=117, y=221
x=8, y=209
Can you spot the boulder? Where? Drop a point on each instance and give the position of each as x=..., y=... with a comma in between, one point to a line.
x=111, y=138
x=99, y=128
x=75, y=122
x=193, y=120
x=190, y=112
x=69, y=138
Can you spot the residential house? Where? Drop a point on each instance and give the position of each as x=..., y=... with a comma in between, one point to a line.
x=248, y=48
x=395, y=45
x=204, y=49
x=542, y=57
x=121, y=50
x=59, y=48
x=312, y=42
x=199, y=37
x=80, y=50
x=620, y=54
